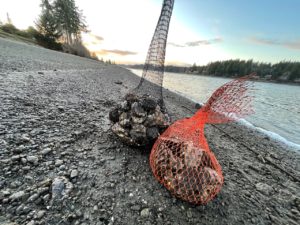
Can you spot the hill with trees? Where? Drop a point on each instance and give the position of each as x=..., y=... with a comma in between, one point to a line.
x=58, y=27
x=284, y=71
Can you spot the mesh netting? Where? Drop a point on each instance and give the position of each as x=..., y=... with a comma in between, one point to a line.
x=153, y=72
x=181, y=159
x=140, y=119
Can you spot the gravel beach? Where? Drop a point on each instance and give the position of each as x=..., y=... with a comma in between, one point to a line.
x=61, y=164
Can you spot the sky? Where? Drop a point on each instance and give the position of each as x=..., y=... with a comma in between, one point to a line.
x=201, y=31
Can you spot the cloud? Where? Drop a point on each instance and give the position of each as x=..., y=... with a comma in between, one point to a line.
x=92, y=40
x=175, y=45
x=115, y=51
x=264, y=41
x=96, y=37
x=197, y=43
x=294, y=44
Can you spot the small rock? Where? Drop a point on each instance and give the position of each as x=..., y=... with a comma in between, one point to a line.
x=26, y=168
x=42, y=73
x=19, y=149
x=118, y=82
x=264, y=188
x=189, y=214
x=62, y=167
x=15, y=157
x=61, y=187
x=33, y=197
x=46, y=151
x=5, y=192
x=32, y=159
x=95, y=208
x=58, y=162
x=136, y=207
x=60, y=108
x=24, y=160
x=46, y=197
x=31, y=222
x=19, y=210
x=40, y=214
x=25, y=138
x=17, y=196
x=74, y=173
x=145, y=212
x=197, y=106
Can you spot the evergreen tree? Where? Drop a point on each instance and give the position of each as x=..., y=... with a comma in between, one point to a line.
x=69, y=19
x=47, y=23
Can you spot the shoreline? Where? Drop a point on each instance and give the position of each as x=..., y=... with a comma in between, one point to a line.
x=207, y=75
x=55, y=128
x=271, y=134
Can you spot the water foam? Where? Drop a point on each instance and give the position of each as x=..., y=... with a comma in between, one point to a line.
x=270, y=134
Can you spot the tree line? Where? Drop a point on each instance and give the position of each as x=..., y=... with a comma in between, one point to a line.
x=285, y=71
x=282, y=71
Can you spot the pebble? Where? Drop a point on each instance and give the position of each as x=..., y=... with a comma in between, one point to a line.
x=74, y=173
x=33, y=197
x=59, y=162
x=145, y=212
x=15, y=157
x=18, y=195
x=19, y=210
x=26, y=168
x=46, y=197
x=60, y=187
x=136, y=207
x=32, y=159
x=197, y=106
x=5, y=192
x=60, y=108
x=46, y=151
x=95, y=208
x=40, y=214
x=62, y=167
x=25, y=138
x=31, y=222
x=264, y=188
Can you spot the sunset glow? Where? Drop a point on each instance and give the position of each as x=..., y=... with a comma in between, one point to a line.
x=200, y=31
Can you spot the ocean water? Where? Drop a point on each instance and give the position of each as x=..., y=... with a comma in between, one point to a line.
x=277, y=106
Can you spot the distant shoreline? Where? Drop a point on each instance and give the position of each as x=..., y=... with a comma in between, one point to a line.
x=206, y=75
x=257, y=80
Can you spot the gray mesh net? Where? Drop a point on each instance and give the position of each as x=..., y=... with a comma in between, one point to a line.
x=142, y=117
x=153, y=72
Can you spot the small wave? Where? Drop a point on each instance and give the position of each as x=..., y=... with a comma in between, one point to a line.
x=270, y=134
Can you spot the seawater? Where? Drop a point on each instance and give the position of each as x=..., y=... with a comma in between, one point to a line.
x=277, y=106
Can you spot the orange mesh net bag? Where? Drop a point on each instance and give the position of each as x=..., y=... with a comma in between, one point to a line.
x=181, y=159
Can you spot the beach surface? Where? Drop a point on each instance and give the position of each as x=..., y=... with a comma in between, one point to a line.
x=61, y=164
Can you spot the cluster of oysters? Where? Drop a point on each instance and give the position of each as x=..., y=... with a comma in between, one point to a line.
x=186, y=171
x=139, y=120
